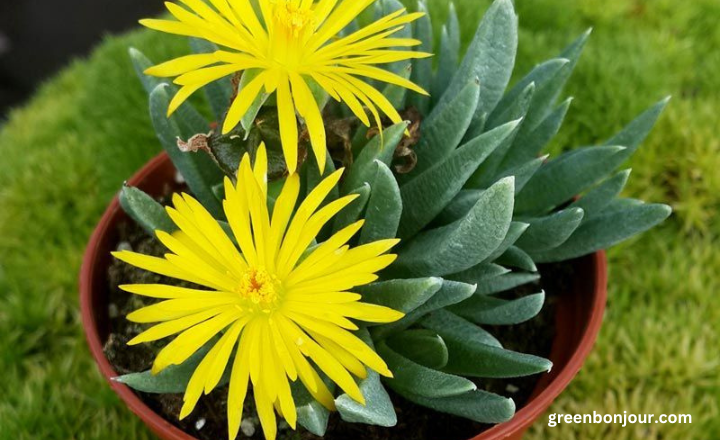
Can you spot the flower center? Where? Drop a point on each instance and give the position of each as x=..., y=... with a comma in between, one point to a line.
x=260, y=288
x=293, y=18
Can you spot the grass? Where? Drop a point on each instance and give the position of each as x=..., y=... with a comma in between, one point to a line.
x=64, y=155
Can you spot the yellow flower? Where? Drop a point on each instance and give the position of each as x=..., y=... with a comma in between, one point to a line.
x=296, y=44
x=278, y=301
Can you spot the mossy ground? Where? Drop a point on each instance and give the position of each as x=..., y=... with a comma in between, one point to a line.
x=66, y=153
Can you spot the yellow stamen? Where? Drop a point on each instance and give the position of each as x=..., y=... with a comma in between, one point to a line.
x=260, y=288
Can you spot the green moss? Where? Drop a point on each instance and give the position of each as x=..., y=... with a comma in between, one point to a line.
x=67, y=152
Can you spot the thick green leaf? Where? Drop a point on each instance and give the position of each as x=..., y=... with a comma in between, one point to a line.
x=523, y=172
x=636, y=132
x=516, y=230
x=382, y=9
x=517, y=259
x=428, y=194
x=172, y=380
x=378, y=409
x=448, y=55
x=489, y=59
x=595, y=200
x=311, y=415
x=549, y=91
x=198, y=169
x=451, y=324
x=561, y=179
x=384, y=208
x=380, y=148
x=352, y=213
x=422, y=381
x=551, y=231
x=505, y=282
x=463, y=244
x=607, y=229
x=443, y=132
x=538, y=76
x=481, y=272
x=146, y=211
x=478, y=405
x=227, y=151
x=424, y=347
x=402, y=295
x=486, y=174
x=422, y=74
x=528, y=144
x=141, y=63
x=488, y=310
x=458, y=207
x=471, y=356
x=451, y=293
x=218, y=92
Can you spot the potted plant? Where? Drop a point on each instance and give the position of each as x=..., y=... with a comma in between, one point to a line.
x=343, y=241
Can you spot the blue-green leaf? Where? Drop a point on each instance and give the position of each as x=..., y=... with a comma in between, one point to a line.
x=384, y=208
x=422, y=381
x=551, y=231
x=428, y=194
x=595, y=200
x=402, y=295
x=380, y=148
x=422, y=68
x=488, y=310
x=378, y=409
x=146, y=211
x=605, y=230
x=489, y=59
x=561, y=179
x=448, y=56
x=463, y=244
x=424, y=347
x=479, y=406
x=198, y=169
x=470, y=356
x=218, y=92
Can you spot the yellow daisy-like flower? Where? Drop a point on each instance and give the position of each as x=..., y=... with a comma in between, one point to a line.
x=291, y=43
x=279, y=300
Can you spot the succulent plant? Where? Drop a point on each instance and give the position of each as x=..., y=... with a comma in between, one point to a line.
x=476, y=205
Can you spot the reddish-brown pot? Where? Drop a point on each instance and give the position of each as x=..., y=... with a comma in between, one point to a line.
x=578, y=318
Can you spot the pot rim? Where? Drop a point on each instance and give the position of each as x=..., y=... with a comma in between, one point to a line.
x=539, y=401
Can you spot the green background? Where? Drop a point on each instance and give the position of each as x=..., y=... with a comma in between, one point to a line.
x=65, y=154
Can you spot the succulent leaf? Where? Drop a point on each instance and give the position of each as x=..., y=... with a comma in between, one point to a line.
x=488, y=310
x=479, y=406
x=417, y=379
x=198, y=169
x=545, y=233
x=489, y=59
x=422, y=74
x=595, y=200
x=607, y=229
x=384, y=208
x=444, y=131
x=563, y=178
x=146, y=211
x=448, y=55
x=311, y=415
x=378, y=410
x=402, y=295
x=471, y=356
x=424, y=347
x=428, y=194
x=380, y=148
x=517, y=258
x=463, y=244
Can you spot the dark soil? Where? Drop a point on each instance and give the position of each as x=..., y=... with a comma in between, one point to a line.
x=208, y=421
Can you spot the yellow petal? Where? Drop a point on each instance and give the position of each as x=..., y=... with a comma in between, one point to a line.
x=242, y=103
x=170, y=328
x=190, y=341
x=181, y=96
x=310, y=111
x=238, y=387
x=177, y=308
x=159, y=266
x=284, y=207
x=181, y=65
x=288, y=124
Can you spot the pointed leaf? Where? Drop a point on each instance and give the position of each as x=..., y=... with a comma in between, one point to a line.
x=421, y=346
x=428, y=194
x=402, y=295
x=550, y=232
x=146, y=211
x=461, y=245
x=488, y=310
x=384, y=208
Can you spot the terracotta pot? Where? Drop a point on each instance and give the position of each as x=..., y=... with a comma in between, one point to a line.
x=579, y=316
